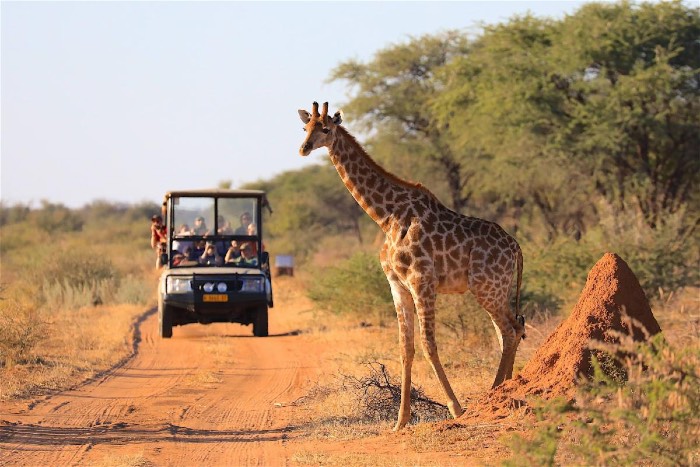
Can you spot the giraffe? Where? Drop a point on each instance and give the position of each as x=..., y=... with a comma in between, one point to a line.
x=428, y=249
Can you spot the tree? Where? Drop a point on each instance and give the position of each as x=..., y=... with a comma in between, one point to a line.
x=606, y=99
x=394, y=94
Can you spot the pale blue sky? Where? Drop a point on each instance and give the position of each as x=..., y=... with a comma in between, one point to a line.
x=122, y=101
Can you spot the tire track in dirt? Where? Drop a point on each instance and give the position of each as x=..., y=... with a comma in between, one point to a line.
x=204, y=397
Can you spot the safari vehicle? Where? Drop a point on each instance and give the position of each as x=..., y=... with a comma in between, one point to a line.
x=197, y=284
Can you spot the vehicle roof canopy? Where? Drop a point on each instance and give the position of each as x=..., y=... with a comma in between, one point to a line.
x=216, y=192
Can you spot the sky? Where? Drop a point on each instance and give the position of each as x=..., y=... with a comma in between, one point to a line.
x=123, y=101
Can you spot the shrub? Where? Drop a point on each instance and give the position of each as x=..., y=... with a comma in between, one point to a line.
x=79, y=279
x=54, y=218
x=356, y=286
x=653, y=417
x=21, y=330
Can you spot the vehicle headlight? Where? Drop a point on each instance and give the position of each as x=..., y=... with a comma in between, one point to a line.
x=178, y=284
x=208, y=287
x=252, y=284
x=221, y=287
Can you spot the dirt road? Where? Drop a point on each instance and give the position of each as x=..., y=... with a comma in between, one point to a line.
x=211, y=395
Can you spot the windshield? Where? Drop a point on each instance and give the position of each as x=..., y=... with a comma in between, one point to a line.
x=210, y=231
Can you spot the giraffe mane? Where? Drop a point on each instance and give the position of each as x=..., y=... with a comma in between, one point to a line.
x=381, y=170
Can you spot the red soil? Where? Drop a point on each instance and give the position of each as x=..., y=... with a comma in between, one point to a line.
x=611, y=291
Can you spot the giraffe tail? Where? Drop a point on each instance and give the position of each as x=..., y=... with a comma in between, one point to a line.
x=520, y=318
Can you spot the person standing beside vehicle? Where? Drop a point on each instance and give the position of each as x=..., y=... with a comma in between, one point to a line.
x=158, y=237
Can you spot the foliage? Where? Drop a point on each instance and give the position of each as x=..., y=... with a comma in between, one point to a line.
x=355, y=286
x=394, y=95
x=62, y=284
x=21, y=330
x=651, y=418
x=606, y=100
x=54, y=218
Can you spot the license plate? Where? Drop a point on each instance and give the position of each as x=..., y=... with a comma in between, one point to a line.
x=215, y=298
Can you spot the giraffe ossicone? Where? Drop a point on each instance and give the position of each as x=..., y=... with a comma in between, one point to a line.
x=428, y=249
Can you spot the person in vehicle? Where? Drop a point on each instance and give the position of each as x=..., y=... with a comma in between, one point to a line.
x=198, y=248
x=233, y=253
x=180, y=245
x=224, y=227
x=247, y=257
x=246, y=219
x=210, y=257
x=188, y=258
x=200, y=227
x=253, y=230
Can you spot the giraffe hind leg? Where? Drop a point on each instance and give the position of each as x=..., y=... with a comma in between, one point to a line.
x=425, y=309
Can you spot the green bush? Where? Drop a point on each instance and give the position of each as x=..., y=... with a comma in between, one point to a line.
x=356, y=286
x=53, y=218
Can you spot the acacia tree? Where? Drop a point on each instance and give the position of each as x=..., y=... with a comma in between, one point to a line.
x=393, y=96
x=605, y=100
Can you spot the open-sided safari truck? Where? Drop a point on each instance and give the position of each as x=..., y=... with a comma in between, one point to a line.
x=215, y=268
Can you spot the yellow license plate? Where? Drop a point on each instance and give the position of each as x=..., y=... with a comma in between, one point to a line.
x=216, y=298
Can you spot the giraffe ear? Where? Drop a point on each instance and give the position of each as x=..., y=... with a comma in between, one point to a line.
x=337, y=118
x=304, y=115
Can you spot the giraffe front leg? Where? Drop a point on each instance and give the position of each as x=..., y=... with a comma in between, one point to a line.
x=403, y=301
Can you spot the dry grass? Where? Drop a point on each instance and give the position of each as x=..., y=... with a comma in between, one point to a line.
x=76, y=345
x=333, y=415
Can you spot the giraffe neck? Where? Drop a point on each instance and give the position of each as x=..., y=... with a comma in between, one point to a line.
x=380, y=194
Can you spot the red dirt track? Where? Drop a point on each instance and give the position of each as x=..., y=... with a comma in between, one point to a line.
x=205, y=397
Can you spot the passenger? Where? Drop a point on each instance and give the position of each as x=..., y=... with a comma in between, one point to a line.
x=198, y=249
x=180, y=245
x=253, y=230
x=246, y=219
x=247, y=258
x=211, y=256
x=224, y=227
x=177, y=257
x=200, y=227
x=233, y=253
x=188, y=258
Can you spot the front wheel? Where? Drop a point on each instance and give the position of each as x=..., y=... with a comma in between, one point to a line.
x=165, y=320
x=260, y=322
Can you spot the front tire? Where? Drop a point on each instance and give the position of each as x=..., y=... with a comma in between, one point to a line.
x=165, y=320
x=260, y=322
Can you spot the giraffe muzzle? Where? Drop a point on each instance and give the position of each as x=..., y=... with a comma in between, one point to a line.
x=305, y=149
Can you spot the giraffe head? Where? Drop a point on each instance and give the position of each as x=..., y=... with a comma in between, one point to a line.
x=319, y=128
